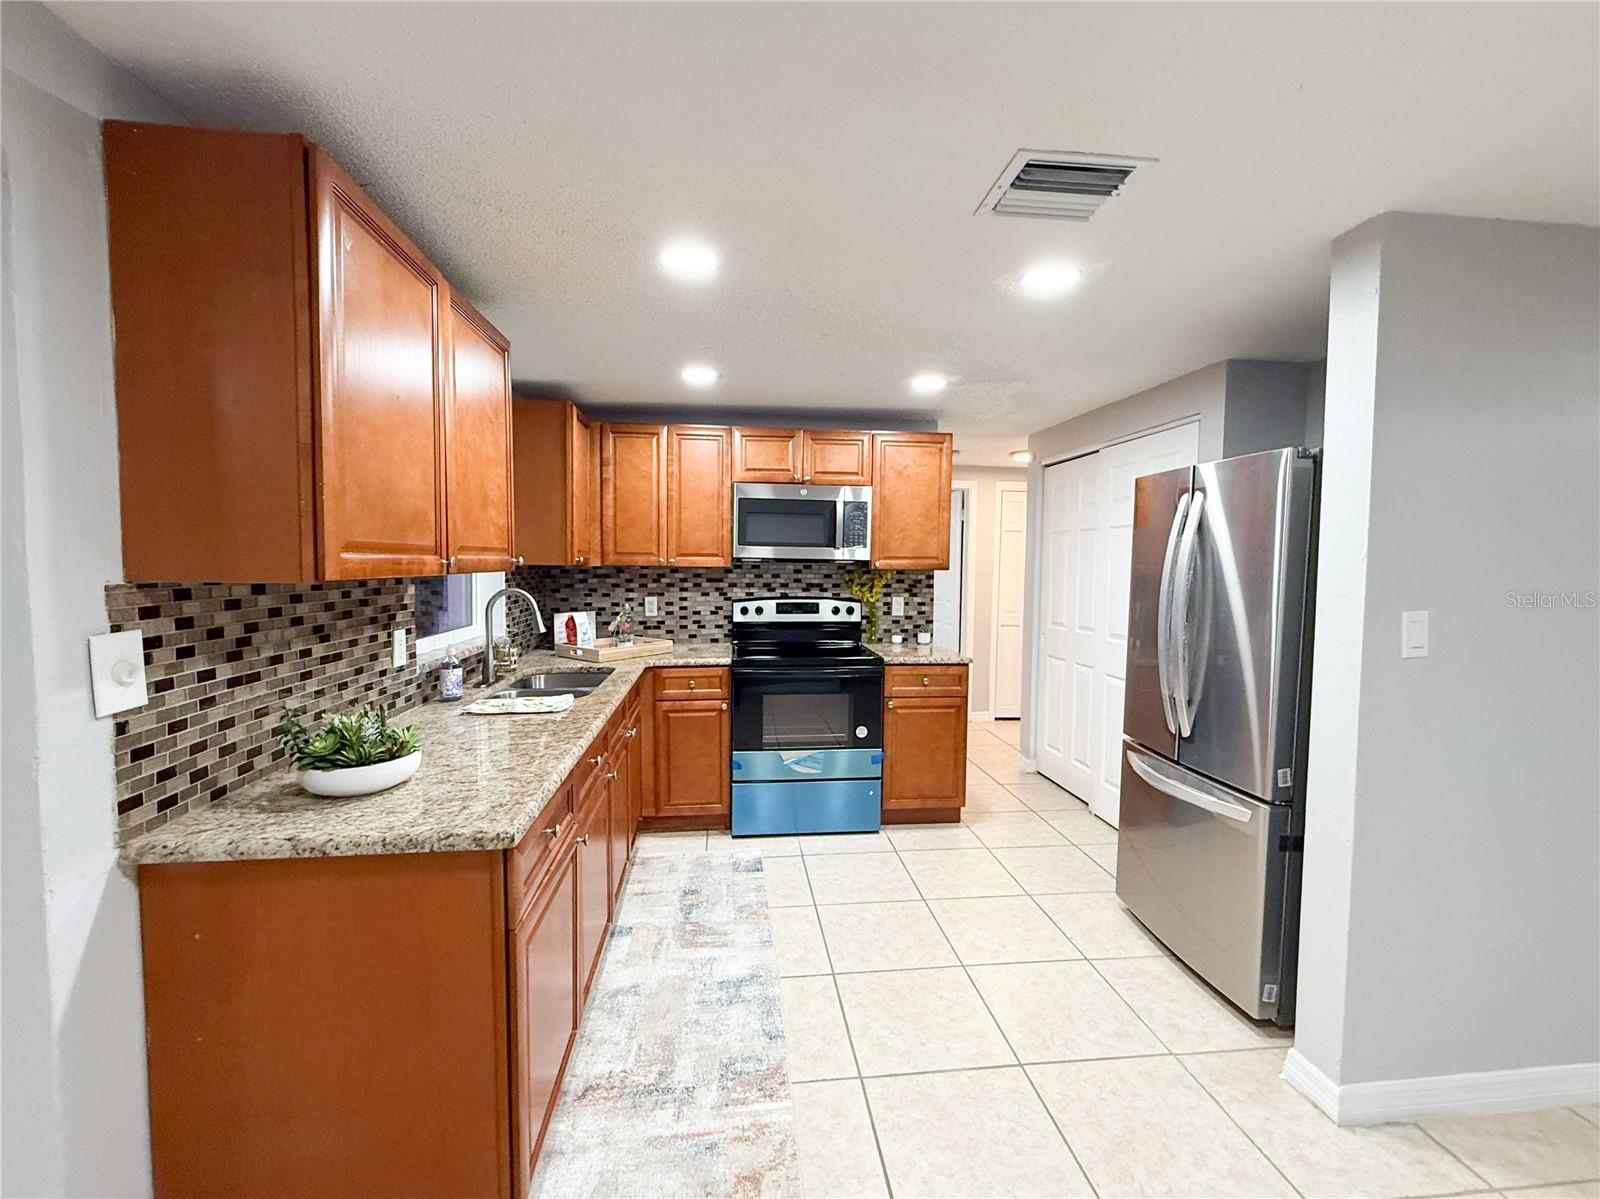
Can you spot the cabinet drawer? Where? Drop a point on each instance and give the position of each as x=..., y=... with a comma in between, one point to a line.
x=925, y=680
x=681, y=682
x=527, y=862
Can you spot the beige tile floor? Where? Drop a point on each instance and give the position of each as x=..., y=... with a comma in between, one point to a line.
x=971, y=1011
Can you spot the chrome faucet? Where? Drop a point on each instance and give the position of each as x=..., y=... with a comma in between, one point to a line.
x=488, y=627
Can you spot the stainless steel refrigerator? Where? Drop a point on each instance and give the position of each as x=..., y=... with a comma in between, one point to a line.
x=1213, y=765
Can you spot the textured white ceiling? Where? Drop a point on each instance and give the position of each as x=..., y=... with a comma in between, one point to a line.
x=541, y=152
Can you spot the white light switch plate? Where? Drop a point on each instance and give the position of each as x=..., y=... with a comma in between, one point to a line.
x=1414, y=634
x=116, y=671
x=897, y=605
x=399, y=655
x=652, y=605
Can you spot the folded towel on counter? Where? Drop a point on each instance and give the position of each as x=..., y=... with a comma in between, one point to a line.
x=519, y=705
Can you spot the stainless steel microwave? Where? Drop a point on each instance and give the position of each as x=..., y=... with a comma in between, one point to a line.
x=802, y=521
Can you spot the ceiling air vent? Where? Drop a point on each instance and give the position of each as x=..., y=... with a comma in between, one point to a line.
x=1067, y=187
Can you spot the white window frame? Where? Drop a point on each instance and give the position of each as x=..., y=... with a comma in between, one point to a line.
x=480, y=588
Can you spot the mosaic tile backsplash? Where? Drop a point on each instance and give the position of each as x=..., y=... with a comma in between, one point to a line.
x=696, y=602
x=222, y=661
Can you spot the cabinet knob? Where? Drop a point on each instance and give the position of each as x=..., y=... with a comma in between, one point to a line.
x=924, y=680
x=672, y=561
x=553, y=831
x=691, y=684
x=597, y=759
x=583, y=840
x=450, y=562
x=724, y=705
x=611, y=774
x=519, y=560
x=890, y=704
x=633, y=732
x=660, y=561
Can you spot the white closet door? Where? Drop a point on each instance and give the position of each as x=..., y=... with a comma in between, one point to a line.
x=1011, y=526
x=1088, y=548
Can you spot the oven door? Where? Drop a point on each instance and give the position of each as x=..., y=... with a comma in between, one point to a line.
x=795, y=521
x=790, y=708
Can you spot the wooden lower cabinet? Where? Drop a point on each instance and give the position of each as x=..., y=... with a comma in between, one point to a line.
x=619, y=785
x=594, y=877
x=693, y=759
x=544, y=1005
x=924, y=741
x=633, y=748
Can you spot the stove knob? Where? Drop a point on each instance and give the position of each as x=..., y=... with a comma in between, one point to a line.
x=760, y=610
x=836, y=609
x=849, y=609
x=744, y=610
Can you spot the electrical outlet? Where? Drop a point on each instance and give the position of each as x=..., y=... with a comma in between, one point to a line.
x=652, y=605
x=116, y=671
x=399, y=654
x=897, y=606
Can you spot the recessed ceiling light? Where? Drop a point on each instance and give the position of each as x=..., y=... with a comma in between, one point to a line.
x=1048, y=280
x=928, y=383
x=689, y=261
x=697, y=374
x=1022, y=456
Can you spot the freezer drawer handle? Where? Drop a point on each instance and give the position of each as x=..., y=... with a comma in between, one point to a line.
x=1182, y=791
x=1164, y=614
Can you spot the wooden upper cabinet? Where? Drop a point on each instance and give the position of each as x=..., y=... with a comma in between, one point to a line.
x=837, y=458
x=911, y=501
x=633, y=490
x=831, y=457
x=699, y=496
x=478, y=465
x=766, y=455
x=283, y=364
x=557, y=484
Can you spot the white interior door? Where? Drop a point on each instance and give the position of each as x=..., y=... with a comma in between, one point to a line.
x=948, y=597
x=1011, y=547
x=1088, y=549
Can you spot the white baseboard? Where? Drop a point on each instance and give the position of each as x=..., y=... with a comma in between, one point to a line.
x=1028, y=764
x=979, y=717
x=1479, y=1093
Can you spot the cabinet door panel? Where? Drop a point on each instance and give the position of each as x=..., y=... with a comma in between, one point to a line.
x=925, y=752
x=699, y=496
x=911, y=501
x=693, y=757
x=766, y=455
x=594, y=879
x=633, y=531
x=619, y=783
x=544, y=995
x=381, y=309
x=478, y=443
x=838, y=458
x=634, y=733
x=583, y=470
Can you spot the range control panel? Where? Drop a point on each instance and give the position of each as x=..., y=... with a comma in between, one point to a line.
x=782, y=610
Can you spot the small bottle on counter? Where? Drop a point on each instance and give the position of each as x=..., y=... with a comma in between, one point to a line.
x=451, y=684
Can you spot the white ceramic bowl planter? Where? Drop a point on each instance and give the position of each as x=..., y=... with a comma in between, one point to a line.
x=360, y=780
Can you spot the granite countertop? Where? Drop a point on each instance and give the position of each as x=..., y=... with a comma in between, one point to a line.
x=483, y=782
x=913, y=654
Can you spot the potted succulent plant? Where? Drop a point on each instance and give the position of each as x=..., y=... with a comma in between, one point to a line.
x=358, y=753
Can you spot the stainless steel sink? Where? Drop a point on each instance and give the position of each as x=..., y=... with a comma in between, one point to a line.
x=557, y=682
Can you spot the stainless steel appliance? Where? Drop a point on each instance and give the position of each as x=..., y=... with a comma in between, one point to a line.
x=800, y=520
x=807, y=718
x=1213, y=769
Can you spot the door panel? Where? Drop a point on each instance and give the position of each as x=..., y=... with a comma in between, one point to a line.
x=634, y=495
x=925, y=752
x=1090, y=515
x=380, y=404
x=1005, y=695
x=911, y=501
x=1244, y=599
x=478, y=505
x=594, y=879
x=1156, y=514
x=699, y=496
x=693, y=757
x=766, y=455
x=837, y=458
x=1205, y=874
x=619, y=784
x=544, y=997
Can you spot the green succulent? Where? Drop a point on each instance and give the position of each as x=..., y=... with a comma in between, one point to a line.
x=363, y=737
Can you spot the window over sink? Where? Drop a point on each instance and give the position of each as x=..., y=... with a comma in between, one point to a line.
x=449, y=610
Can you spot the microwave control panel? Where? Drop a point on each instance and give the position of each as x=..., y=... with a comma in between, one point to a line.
x=856, y=513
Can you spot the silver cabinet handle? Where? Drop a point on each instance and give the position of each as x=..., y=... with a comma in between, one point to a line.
x=633, y=732
x=519, y=560
x=1179, y=790
x=450, y=562
x=611, y=774
x=1164, y=615
x=553, y=831
x=597, y=759
x=1180, y=614
x=924, y=680
x=672, y=561
x=890, y=704
x=724, y=705
x=583, y=840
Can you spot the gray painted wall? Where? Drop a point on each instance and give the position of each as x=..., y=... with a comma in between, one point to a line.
x=1451, y=915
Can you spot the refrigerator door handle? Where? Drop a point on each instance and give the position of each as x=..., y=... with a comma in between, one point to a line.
x=1164, y=615
x=1180, y=615
x=1184, y=792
